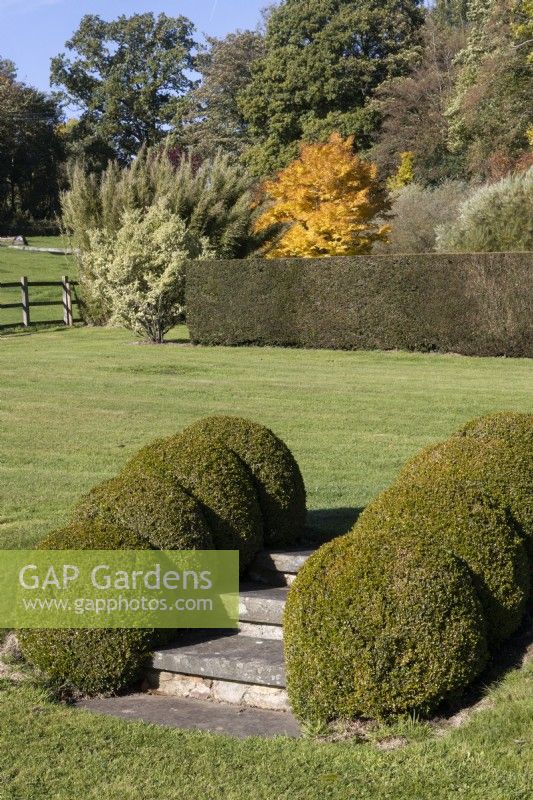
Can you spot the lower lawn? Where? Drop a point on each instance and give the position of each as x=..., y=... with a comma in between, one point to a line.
x=47, y=751
x=75, y=404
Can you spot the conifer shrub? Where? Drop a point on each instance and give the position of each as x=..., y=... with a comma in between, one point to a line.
x=92, y=661
x=276, y=474
x=377, y=624
x=217, y=479
x=158, y=509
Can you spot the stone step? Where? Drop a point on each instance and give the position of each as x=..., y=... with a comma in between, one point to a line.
x=262, y=604
x=245, y=695
x=244, y=667
x=226, y=656
x=278, y=568
x=259, y=631
x=228, y=667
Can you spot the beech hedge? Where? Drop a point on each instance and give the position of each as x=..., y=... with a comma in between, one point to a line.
x=469, y=303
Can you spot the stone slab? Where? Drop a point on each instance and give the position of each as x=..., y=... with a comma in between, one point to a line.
x=285, y=561
x=262, y=604
x=269, y=578
x=227, y=656
x=199, y=715
x=259, y=631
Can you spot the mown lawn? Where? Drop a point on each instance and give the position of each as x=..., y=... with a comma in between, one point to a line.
x=36, y=267
x=48, y=241
x=48, y=751
x=75, y=404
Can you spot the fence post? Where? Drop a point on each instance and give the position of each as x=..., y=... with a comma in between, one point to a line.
x=25, y=301
x=67, y=301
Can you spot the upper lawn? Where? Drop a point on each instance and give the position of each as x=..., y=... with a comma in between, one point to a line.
x=48, y=241
x=36, y=267
x=75, y=404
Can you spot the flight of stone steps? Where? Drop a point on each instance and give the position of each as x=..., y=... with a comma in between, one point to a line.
x=244, y=667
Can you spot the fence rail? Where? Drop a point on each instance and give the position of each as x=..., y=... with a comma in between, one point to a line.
x=26, y=303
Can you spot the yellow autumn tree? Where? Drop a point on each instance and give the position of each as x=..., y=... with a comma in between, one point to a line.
x=326, y=201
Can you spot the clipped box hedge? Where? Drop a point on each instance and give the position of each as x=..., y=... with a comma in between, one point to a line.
x=404, y=611
x=157, y=508
x=438, y=507
x=216, y=478
x=512, y=476
x=275, y=472
x=377, y=626
x=473, y=303
x=93, y=661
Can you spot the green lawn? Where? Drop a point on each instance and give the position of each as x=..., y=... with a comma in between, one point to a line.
x=36, y=267
x=48, y=751
x=75, y=404
x=48, y=241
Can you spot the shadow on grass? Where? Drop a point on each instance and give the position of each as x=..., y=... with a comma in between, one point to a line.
x=324, y=524
x=178, y=335
x=16, y=329
x=512, y=654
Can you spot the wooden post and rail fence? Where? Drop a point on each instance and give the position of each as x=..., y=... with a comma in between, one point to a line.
x=26, y=303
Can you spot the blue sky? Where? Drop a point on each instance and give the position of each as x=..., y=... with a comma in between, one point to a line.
x=32, y=31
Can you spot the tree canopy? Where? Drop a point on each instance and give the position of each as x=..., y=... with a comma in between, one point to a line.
x=322, y=61
x=490, y=113
x=127, y=77
x=412, y=109
x=30, y=150
x=452, y=12
x=429, y=91
x=326, y=202
x=214, y=119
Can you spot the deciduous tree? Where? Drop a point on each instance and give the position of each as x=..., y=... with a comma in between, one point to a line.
x=127, y=77
x=326, y=203
x=30, y=150
x=412, y=110
x=490, y=112
x=452, y=13
x=404, y=175
x=214, y=119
